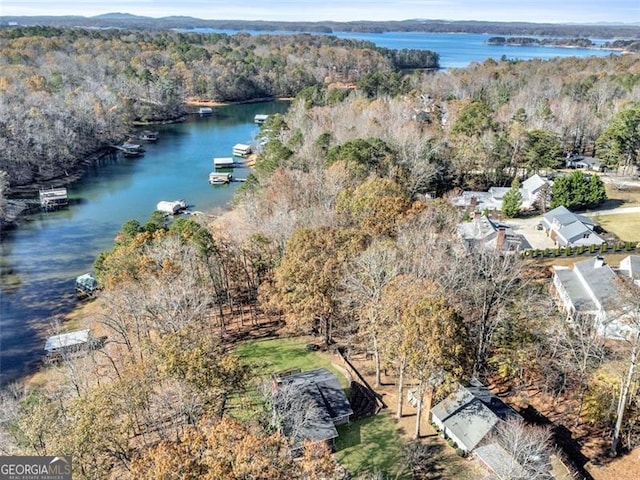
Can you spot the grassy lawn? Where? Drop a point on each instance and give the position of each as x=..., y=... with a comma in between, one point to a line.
x=372, y=445
x=628, y=197
x=280, y=354
x=625, y=226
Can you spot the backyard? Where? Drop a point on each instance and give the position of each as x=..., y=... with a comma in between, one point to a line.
x=372, y=445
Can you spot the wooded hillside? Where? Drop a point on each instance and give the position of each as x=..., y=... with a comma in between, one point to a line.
x=67, y=93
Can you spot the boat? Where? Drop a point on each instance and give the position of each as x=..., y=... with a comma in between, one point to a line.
x=205, y=111
x=171, y=208
x=260, y=118
x=216, y=178
x=241, y=150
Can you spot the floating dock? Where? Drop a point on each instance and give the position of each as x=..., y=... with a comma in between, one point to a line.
x=171, y=208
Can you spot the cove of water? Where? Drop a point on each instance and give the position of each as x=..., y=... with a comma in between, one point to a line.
x=42, y=257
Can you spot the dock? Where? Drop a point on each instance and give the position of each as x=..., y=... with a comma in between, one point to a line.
x=53, y=198
x=241, y=150
x=171, y=208
x=216, y=178
x=130, y=149
x=224, y=162
x=146, y=135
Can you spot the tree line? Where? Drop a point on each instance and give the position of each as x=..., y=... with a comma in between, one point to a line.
x=66, y=93
x=127, y=21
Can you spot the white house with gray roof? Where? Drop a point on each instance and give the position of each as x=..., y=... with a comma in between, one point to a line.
x=531, y=190
x=569, y=229
x=592, y=289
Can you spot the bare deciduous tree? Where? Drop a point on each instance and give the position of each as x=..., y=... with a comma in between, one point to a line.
x=528, y=448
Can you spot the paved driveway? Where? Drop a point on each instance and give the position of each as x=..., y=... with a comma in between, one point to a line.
x=539, y=239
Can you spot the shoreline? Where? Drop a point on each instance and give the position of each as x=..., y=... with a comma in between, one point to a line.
x=194, y=102
x=17, y=200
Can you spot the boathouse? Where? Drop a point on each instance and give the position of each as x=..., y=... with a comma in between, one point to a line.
x=86, y=284
x=223, y=162
x=260, y=118
x=216, y=178
x=54, y=198
x=68, y=342
x=171, y=208
x=241, y=150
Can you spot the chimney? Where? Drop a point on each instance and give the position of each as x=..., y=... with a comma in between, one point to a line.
x=502, y=234
x=598, y=261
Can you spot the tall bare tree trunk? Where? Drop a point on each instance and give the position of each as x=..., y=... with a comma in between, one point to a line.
x=400, y=388
x=376, y=359
x=420, y=393
x=622, y=404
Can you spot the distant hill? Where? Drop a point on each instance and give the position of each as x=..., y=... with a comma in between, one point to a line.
x=126, y=20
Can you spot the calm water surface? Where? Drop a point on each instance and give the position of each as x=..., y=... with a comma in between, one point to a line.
x=456, y=50
x=41, y=258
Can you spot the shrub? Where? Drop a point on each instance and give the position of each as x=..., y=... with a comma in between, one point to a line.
x=461, y=453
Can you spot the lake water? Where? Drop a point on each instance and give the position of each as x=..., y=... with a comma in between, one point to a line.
x=43, y=256
x=456, y=50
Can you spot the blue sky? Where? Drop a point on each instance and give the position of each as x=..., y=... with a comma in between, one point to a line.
x=554, y=11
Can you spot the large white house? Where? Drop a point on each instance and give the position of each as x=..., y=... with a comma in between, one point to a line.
x=569, y=229
x=593, y=291
x=532, y=190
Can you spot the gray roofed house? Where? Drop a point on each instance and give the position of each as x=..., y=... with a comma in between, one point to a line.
x=569, y=229
x=530, y=190
x=469, y=414
x=630, y=266
x=326, y=405
x=499, y=462
x=592, y=289
x=483, y=232
x=582, y=161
